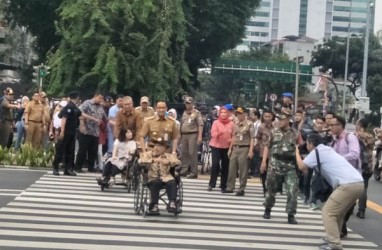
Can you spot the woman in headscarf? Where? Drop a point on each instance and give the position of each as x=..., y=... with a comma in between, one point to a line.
x=221, y=136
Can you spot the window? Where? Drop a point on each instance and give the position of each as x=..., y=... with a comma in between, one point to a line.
x=262, y=14
x=258, y=24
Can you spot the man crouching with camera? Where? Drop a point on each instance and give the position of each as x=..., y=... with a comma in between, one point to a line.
x=346, y=181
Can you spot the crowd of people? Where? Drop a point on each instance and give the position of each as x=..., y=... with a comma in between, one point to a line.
x=283, y=147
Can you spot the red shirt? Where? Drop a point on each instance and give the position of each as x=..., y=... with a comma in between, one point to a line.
x=221, y=134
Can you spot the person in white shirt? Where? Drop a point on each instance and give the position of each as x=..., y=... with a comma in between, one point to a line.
x=345, y=180
x=123, y=150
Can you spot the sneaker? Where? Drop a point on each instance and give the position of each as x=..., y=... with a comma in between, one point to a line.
x=314, y=206
x=209, y=189
x=306, y=202
x=330, y=247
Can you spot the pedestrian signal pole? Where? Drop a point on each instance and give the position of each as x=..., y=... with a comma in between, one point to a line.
x=40, y=72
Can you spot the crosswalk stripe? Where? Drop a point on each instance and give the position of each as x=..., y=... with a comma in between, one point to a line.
x=65, y=212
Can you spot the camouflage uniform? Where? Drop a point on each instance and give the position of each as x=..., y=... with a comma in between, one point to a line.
x=282, y=167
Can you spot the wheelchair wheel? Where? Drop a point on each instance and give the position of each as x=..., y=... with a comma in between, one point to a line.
x=138, y=197
x=179, y=198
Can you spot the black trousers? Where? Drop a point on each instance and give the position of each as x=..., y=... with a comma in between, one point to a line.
x=156, y=185
x=363, y=199
x=307, y=185
x=88, y=146
x=110, y=170
x=220, y=163
x=65, y=152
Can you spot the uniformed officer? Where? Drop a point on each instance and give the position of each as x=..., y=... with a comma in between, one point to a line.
x=240, y=150
x=191, y=130
x=144, y=111
x=282, y=166
x=65, y=145
x=159, y=128
x=34, y=116
x=6, y=116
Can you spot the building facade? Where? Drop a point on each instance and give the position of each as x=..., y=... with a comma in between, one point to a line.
x=317, y=19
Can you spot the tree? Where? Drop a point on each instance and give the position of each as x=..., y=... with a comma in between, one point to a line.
x=38, y=16
x=208, y=28
x=214, y=27
x=332, y=54
x=120, y=46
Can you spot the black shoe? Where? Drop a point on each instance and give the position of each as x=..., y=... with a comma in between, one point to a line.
x=209, y=189
x=79, y=171
x=70, y=172
x=361, y=214
x=240, y=193
x=267, y=213
x=344, y=231
x=225, y=191
x=92, y=170
x=292, y=220
x=56, y=172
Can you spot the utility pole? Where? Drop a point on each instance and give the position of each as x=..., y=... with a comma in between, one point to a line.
x=347, y=60
x=299, y=59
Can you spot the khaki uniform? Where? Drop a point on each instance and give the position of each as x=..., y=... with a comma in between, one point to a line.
x=159, y=129
x=159, y=166
x=189, y=130
x=145, y=113
x=35, y=111
x=5, y=123
x=244, y=132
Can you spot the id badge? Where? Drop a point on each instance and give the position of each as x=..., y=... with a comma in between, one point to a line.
x=165, y=137
x=189, y=120
x=241, y=138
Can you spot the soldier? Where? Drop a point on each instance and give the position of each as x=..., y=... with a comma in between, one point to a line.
x=240, y=150
x=34, y=121
x=128, y=118
x=282, y=166
x=6, y=116
x=144, y=111
x=191, y=130
x=159, y=128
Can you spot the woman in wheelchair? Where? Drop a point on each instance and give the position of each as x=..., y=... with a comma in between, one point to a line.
x=123, y=150
x=160, y=165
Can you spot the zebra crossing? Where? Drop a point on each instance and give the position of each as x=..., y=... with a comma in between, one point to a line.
x=64, y=212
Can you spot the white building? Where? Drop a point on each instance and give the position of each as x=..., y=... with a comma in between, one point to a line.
x=318, y=19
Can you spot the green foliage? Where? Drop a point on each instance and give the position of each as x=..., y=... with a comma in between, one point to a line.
x=120, y=46
x=38, y=16
x=332, y=54
x=214, y=26
x=27, y=156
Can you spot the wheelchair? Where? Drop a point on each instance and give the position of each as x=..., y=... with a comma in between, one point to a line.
x=128, y=178
x=142, y=192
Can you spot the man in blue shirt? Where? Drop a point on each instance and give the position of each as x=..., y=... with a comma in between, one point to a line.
x=345, y=180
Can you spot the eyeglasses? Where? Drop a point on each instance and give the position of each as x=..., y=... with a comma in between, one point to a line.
x=335, y=124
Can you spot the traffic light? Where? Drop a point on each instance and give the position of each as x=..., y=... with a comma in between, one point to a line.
x=36, y=74
x=39, y=73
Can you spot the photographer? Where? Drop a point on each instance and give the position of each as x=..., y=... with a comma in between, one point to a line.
x=345, y=180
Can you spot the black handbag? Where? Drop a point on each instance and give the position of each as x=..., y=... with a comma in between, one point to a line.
x=321, y=189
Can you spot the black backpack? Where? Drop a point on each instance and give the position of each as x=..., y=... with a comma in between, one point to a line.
x=363, y=156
